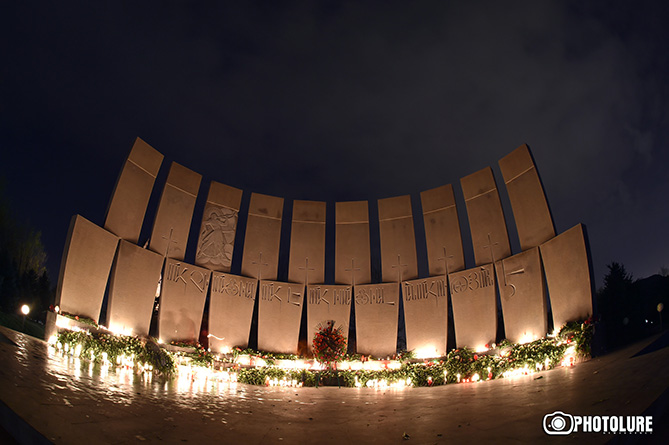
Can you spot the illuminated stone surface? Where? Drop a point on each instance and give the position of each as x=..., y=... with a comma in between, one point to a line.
x=474, y=306
x=352, y=255
x=84, y=272
x=120, y=407
x=486, y=219
x=398, y=245
x=522, y=292
x=127, y=206
x=307, y=243
x=132, y=290
x=263, y=235
x=175, y=212
x=565, y=260
x=376, y=311
x=182, y=299
x=230, y=311
x=426, y=316
x=327, y=303
x=528, y=201
x=219, y=225
x=442, y=231
x=279, y=314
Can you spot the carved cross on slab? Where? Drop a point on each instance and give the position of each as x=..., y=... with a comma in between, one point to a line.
x=169, y=242
x=491, y=245
x=445, y=259
x=353, y=270
x=306, y=270
x=399, y=267
x=260, y=265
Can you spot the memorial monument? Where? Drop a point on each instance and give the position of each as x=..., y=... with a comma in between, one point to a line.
x=551, y=272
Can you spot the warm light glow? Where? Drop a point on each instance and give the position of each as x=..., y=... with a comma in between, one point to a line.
x=120, y=330
x=481, y=348
x=426, y=352
x=56, y=309
x=527, y=338
x=25, y=309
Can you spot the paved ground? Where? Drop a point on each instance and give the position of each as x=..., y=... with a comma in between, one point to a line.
x=67, y=402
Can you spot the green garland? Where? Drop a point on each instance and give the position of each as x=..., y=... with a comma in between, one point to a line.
x=458, y=365
x=93, y=345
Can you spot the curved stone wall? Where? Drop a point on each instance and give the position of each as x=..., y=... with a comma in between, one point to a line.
x=140, y=276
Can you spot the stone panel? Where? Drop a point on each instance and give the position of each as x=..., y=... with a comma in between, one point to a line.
x=263, y=236
x=474, y=306
x=442, y=231
x=279, y=315
x=182, y=299
x=175, y=212
x=133, y=289
x=307, y=243
x=486, y=219
x=398, y=244
x=327, y=303
x=230, y=311
x=352, y=251
x=132, y=191
x=218, y=228
x=522, y=292
x=84, y=271
x=528, y=201
x=567, y=268
x=426, y=316
x=376, y=312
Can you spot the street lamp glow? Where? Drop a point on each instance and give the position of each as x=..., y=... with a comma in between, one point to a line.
x=25, y=309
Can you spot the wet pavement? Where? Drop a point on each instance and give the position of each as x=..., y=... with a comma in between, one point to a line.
x=67, y=400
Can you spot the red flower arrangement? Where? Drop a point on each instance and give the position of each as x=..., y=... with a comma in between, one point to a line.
x=329, y=344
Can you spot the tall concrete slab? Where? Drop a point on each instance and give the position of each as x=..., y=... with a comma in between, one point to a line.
x=398, y=243
x=426, y=315
x=132, y=191
x=279, y=315
x=442, y=231
x=352, y=251
x=230, y=311
x=263, y=235
x=474, y=306
x=133, y=288
x=528, y=200
x=486, y=218
x=182, y=299
x=84, y=270
x=522, y=291
x=219, y=226
x=327, y=303
x=567, y=268
x=376, y=312
x=307, y=243
x=175, y=212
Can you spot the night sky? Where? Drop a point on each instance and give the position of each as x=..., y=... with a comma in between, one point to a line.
x=341, y=101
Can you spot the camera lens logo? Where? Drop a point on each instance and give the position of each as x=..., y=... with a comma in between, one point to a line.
x=558, y=423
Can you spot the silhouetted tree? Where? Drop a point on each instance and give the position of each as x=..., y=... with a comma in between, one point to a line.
x=616, y=304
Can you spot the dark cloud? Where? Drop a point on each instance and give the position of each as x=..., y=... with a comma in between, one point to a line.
x=345, y=101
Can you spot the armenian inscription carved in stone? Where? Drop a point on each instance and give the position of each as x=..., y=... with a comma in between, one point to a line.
x=521, y=288
x=426, y=315
x=327, y=303
x=376, y=312
x=230, y=311
x=279, y=314
x=182, y=299
x=474, y=306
